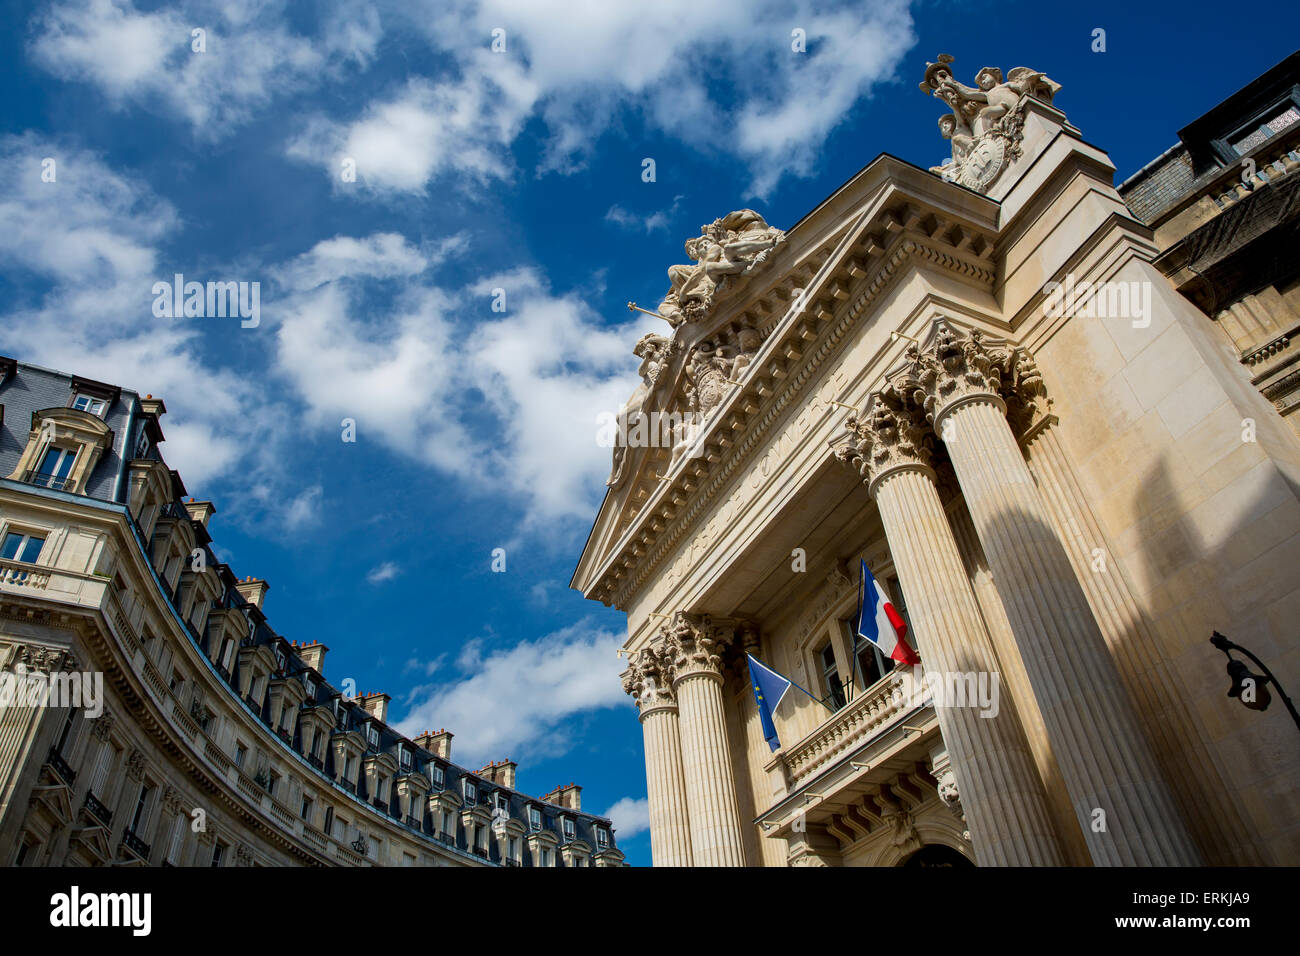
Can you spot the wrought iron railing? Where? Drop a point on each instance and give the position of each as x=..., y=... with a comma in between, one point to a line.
x=60, y=767
x=135, y=844
x=98, y=810
x=48, y=481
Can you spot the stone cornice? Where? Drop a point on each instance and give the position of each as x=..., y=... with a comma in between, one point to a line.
x=875, y=257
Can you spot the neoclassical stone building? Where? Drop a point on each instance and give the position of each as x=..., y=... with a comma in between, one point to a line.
x=982, y=380
x=150, y=715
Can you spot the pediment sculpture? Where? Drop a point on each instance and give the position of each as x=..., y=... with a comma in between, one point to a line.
x=986, y=124
x=726, y=248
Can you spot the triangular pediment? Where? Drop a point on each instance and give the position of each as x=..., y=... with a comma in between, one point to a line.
x=828, y=274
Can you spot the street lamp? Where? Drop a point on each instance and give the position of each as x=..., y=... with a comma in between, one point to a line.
x=1251, y=689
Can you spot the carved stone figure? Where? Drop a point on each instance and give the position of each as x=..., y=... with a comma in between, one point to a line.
x=654, y=352
x=731, y=246
x=986, y=123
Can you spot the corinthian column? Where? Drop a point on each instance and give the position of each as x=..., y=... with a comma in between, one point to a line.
x=706, y=757
x=1002, y=794
x=1124, y=807
x=649, y=679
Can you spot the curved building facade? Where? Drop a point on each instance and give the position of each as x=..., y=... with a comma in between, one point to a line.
x=152, y=716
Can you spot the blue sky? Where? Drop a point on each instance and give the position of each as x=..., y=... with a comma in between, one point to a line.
x=476, y=171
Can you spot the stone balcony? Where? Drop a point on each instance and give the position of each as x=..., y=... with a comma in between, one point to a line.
x=855, y=724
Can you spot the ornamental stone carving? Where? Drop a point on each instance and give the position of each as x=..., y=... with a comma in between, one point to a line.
x=243, y=855
x=726, y=249
x=649, y=678
x=1029, y=408
x=695, y=644
x=654, y=352
x=47, y=660
x=954, y=365
x=171, y=800
x=102, y=726
x=986, y=125
x=135, y=765
x=892, y=435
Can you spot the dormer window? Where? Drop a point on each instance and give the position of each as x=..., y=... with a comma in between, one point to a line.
x=437, y=776
x=534, y=818
x=372, y=735
x=471, y=791
x=142, y=446
x=309, y=686
x=54, y=467
x=88, y=403
x=570, y=830
x=280, y=659
x=404, y=756
x=602, y=838
x=501, y=800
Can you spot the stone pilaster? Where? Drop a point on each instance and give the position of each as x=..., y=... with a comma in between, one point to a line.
x=1200, y=784
x=1002, y=795
x=1124, y=807
x=695, y=644
x=649, y=679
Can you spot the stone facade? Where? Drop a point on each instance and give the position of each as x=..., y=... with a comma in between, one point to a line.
x=149, y=714
x=980, y=380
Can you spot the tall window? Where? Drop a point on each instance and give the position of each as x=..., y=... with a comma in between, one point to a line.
x=329, y=821
x=141, y=805
x=218, y=851
x=54, y=468
x=22, y=547
x=831, y=682
x=306, y=808
x=66, y=732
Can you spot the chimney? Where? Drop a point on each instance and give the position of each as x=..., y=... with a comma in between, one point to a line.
x=200, y=511
x=313, y=655
x=438, y=744
x=501, y=773
x=376, y=705
x=152, y=406
x=569, y=797
x=253, y=591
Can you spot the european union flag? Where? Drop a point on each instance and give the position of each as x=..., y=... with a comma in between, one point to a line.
x=769, y=691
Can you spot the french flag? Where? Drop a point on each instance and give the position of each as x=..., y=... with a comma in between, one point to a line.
x=880, y=623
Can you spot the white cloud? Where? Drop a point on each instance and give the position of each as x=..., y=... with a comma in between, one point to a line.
x=87, y=244
x=304, y=509
x=575, y=64
x=250, y=55
x=426, y=130
x=383, y=572
x=512, y=700
x=505, y=402
x=655, y=222
x=630, y=816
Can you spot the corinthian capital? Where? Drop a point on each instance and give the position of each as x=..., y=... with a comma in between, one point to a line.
x=952, y=366
x=1029, y=409
x=695, y=644
x=892, y=435
x=649, y=678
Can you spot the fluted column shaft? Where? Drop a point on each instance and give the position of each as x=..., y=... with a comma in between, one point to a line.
x=670, y=828
x=1000, y=788
x=1103, y=753
x=706, y=765
x=1179, y=740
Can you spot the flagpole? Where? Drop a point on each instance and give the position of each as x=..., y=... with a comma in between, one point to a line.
x=792, y=683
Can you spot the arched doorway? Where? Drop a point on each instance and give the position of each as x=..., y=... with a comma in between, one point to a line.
x=936, y=854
